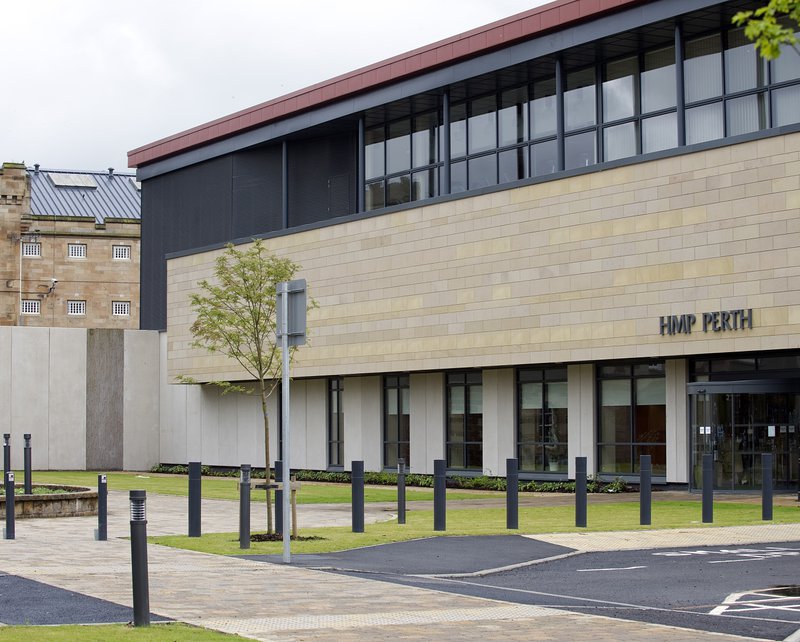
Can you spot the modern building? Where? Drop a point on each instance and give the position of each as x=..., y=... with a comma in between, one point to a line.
x=72, y=257
x=572, y=232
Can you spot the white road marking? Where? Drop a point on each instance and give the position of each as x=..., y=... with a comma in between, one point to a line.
x=621, y=568
x=757, y=600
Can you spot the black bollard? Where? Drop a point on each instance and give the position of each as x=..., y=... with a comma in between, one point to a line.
x=141, y=584
x=512, y=494
x=357, y=477
x=6, y=453
x=401, y=491
x=645, y=490
x=439, y=495
x=708, y=489
x=27, y=465
x=580, y=492
x=9, y=487
x=766, y=487
x=244, y=506
x=278, y=498
x=195, y=493
x=102, y=508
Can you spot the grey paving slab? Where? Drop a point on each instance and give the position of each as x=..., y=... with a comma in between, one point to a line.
x=278, y=602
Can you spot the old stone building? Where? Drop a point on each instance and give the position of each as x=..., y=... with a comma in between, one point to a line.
x=71, y=248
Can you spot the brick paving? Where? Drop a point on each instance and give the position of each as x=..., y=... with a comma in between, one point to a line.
x=280, y=603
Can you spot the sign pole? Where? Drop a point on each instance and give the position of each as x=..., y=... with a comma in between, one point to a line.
x=284, y=330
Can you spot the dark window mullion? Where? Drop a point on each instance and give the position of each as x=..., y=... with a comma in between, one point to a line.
x=560, y=112
x=680, y=98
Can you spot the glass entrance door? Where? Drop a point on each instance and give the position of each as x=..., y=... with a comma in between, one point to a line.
x=736, y=428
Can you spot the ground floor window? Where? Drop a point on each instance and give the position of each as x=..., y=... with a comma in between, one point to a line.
x=632, y=417
x=335, y=423
x=542, y=419
x=396, y=420
x=464, y=439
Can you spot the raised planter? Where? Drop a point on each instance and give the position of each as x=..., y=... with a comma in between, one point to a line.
x=79, y=501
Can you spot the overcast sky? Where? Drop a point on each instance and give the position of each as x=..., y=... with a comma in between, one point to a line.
x=86, y=81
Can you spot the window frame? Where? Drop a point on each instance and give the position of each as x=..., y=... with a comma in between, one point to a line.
x=465, y=379
x=76, y=307
x=34, y=307
x=632, y=443
x=335, y=427
x=31, y=250
x=127, y=252
x=395, y=384
x=544, y=375
x=76, y=251
x=126, y=306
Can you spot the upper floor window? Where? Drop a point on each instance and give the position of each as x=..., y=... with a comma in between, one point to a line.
x=30, y=250
x=76, y=250
x=31, y=306
x=76, y=308
x=121, y=252
x=120, y=308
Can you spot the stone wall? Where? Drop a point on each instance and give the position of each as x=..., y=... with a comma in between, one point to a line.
x=573, y=270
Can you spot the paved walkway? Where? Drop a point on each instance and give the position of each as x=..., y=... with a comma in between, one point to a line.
x=281, y=603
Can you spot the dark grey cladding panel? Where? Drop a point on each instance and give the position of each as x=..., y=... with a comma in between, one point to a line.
x=104, y=399
x=545, y=45
x=181, y=210
x=257, y=191
x=322, y=179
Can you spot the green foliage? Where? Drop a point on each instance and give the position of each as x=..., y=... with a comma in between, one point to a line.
x=768, y=28
x=236, y=313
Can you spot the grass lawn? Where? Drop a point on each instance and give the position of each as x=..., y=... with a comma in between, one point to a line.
x=172, y=631
x=228, y=487
x=492, y=521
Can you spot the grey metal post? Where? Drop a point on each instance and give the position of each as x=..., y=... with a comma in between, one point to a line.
x=645, y=490
x=6, y=453
x=512, y=494
x=102, y=508
x=357, y=479
x=766, y=486
x=9, y=487
x=27, y=465
x=141, y=585
x=278, y=497
x=401, y=491
x=439, y=495
x=580, y=492
x=708, y=489
x=244, y=506
x=195, y=490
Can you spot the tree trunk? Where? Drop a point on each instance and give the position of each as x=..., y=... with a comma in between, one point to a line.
x=268, y=466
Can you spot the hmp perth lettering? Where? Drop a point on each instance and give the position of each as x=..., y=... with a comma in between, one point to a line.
x=721, y=321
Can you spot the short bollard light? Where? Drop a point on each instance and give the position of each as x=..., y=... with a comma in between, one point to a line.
x=9, y=487
x=581, y=500
x=357, y=496
x=439, y=495
x=101, y=534
x=401, y=491
x=195, y=493
x=6, y=452
x=244, y=506
x=27, y=465
x=141, y=588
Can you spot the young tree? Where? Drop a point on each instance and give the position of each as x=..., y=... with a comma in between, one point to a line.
x=236, y=317
x=763, y=26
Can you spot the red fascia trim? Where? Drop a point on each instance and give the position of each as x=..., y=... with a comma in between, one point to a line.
x=471, y=43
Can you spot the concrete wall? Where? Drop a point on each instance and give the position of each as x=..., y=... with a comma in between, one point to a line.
x=87, y=398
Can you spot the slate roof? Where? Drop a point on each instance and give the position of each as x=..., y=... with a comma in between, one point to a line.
x=83, y=194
